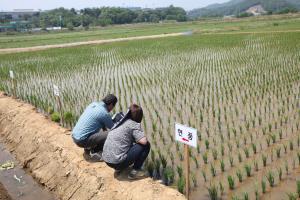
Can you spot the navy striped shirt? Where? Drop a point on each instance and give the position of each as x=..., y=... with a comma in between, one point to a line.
x=94, y=118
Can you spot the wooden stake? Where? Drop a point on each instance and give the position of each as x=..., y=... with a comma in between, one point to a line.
x=187, y=171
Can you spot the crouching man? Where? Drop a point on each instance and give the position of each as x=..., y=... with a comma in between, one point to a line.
x=126, y=144
x=90, y=130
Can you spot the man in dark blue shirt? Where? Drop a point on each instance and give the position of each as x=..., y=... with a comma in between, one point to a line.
x=90, y=130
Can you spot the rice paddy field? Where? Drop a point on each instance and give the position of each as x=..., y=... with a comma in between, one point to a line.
x=260, y=23
x=240, y=91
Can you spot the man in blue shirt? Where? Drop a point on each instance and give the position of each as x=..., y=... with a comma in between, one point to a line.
x=90, y=130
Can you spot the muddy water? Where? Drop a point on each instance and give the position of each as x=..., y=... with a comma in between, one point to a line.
x=17, y=183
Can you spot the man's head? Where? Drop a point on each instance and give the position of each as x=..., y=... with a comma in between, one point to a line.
x=136, y=113
x=110, y=101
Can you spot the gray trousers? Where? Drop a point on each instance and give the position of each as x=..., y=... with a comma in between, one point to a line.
x=94, y=142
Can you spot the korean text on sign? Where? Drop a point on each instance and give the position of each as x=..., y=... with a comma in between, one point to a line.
x=186, y=135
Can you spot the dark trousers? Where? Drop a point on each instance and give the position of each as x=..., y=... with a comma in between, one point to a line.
x=94, y=143
x=136, y=155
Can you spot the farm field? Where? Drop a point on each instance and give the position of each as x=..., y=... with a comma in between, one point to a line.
x=263, y=23
x=241, y=92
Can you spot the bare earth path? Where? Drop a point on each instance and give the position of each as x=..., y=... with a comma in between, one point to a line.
x=73, y=44
x=48, y=152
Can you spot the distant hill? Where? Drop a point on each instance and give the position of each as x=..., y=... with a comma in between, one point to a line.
x=235, y=7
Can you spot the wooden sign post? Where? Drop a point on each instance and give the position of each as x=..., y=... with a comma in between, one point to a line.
x=187, y=171
x=188, y=136
x=14, y=83
x=58, y=101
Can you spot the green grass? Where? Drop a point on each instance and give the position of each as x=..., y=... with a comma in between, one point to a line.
x=265, y=23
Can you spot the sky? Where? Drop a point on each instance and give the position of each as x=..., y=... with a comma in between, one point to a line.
x=8, y=5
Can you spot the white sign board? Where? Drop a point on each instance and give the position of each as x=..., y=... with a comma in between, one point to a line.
x=186, y=135
x=11, y=74
x=56, y=90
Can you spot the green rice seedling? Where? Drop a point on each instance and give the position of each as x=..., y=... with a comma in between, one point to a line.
x=264, y=131
x=246, y=150
x=215, y=154
x=230, y=182
x=152, y=155
x=254, y=148
x=298, y=188
x=235, y=198
x=221, y=187
x=222, y=164
x=181, y=156
x=198, y=149
x=280, y=134
x=263, y=186
x=55, y=116
x=291, y=145
x=237, y=142
x=222, y=150
x=194, y=179
x=270, y=178
x=246, y=196
x=181, y=185
x=285, y=148
x=196, y=161
x=270, y=127
x=69, y=118
x=286, y=167
x=239, y=175
x=278, y=150
x=213, y=170
x=163, y=161
x=248, y=169
x=259, y=120
x=256, y=194
x=231, y=161
x=172, y=159
x=298, y=156
x=229, y=146
x=273, y=137
x=279, y=173
x=264, y=159
x=245, y=140
x=268, y=140
x=179, y=171
x=240, y=157
x=150, y=168
x=169, y=175
x=207, y=144
x=256, y=165
x=204, y=157
x=157, y=168
x=213, y=192
x=204, y=175
x=292, y=196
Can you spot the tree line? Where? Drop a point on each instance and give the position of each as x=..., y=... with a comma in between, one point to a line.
x=104, y=16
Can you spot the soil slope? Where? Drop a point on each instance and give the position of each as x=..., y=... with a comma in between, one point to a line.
x=49, y=153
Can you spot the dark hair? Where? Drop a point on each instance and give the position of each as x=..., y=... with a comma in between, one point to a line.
x=110, y=99
x=135, y=113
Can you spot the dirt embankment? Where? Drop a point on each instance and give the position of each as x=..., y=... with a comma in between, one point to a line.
x=3, y=193
x=49, y=153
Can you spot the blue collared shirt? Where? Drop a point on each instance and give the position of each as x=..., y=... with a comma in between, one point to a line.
x=94, y=118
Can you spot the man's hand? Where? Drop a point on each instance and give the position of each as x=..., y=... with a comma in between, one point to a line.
x=143, y=141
